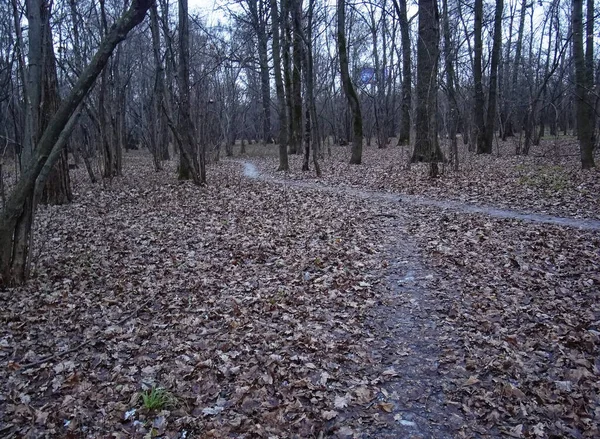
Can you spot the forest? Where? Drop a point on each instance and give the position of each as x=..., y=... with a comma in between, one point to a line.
x=299, y=219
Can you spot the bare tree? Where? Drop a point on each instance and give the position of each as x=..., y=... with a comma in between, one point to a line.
x=189, y=166
x=351, y=96
x=404, y=134
x=584, y=75
x=492, y=96
x=450, y=87
x=427, y=147
x=16, y=219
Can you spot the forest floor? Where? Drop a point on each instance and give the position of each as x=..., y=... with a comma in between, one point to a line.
x=326, y=308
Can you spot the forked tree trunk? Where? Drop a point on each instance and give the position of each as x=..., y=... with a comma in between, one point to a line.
x=16, y=218
x=57, y=189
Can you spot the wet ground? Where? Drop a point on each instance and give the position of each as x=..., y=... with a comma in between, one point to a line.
x=586, y=224
x=406, y=336
x=410, y=331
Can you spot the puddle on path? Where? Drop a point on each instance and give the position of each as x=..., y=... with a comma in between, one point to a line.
x=251, y=171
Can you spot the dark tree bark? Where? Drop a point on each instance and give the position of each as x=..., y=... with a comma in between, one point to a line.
x=491, y=111
x=13, y=243
x=351, y=96
x=287, y=75
x=479, y=99
x=189, y=167
x=283, y=120
x=583, y=92
x=57, y=189
x=160, y=130
x=515, y=98
x=258, y=9
x=450, y=79
x=297, y=55
x=427, y=147
x=404, y=134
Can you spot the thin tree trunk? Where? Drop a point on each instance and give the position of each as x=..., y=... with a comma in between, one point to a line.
x=515, y=98
x=478, y=108
x=453, y=106
x=404, y=134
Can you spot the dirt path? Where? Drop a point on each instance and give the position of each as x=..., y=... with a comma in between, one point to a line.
x=406, y=333
x=409, y=335
x=586, y=224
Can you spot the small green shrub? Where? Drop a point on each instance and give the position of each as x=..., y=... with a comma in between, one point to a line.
x=156, y=398
x=548, y=178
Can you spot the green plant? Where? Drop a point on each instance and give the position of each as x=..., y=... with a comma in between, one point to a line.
x=156, y=398
x=546, y=178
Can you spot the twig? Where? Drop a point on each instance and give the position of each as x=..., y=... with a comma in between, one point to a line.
x=385, y=215
x=88, y=341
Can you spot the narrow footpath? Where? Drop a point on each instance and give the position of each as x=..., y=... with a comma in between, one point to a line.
x=405, y=330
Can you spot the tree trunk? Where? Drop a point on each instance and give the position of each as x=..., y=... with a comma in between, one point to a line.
x=351, y=96
x=404, y=134
x=583, y=92
x=189, y=167
x=17, y=215
x=478, y=108
x=297, y=55
x=450, y=79
x=287, y=76
x=258, y=9
x=515, y=98
x=491, y=111
x=427, y=147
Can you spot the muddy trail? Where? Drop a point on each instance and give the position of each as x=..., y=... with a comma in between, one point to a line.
x=251, y=171
x=406, y=332
x=407, y=327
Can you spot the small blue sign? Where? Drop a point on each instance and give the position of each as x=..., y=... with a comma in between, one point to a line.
x=367, y=75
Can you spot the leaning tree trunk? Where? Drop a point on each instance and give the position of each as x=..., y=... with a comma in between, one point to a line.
x=17, y=215
x=357, y=124
x=427, y=147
